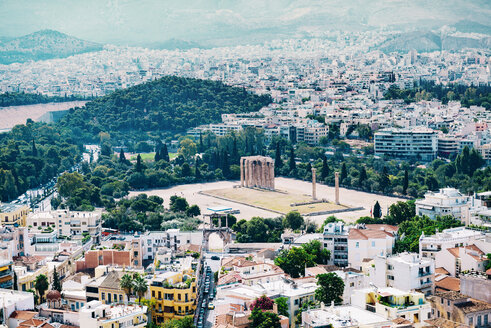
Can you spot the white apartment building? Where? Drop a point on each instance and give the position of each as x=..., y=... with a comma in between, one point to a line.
x=68, y=223
x=96, y=314
x=296, y=292
x=171, y=238
x=405, y=271
x=419, y=143
x=13, y=300
x=429, y=246
x=393, y=303
x=252, y=273
x=335, y=239
x=469, y=258
x=370, y=242
x=447, y=201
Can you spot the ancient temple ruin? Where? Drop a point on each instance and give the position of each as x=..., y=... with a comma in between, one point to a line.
x=257, y=172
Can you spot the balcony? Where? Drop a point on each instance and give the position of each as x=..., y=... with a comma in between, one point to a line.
x=7, y=284
x=424, y=274
x=5, y=273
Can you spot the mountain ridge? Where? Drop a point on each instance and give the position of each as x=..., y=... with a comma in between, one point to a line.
x=44, y=44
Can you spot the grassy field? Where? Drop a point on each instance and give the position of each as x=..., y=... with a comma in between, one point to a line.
x=146, y=157
x=272, y=200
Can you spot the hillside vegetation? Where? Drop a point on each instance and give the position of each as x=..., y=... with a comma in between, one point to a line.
x=168, y=104
x=21, y=98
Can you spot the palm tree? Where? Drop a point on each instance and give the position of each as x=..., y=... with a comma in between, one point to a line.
x=140, y=286
x=41, y=286
x=126, y=284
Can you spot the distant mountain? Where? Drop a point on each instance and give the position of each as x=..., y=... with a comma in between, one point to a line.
x=467, y=26
x=423, y=41
x=219, y=22
x=174, y=44
x=41, y=45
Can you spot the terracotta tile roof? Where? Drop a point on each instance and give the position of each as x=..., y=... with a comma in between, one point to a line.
x=368, y=234
x=229, y=279
x=450, y=295
x=444, y=323
x=314, y=271
x=448, y=283
x=473, y=305
x=386, y=227
x=112, y=280
x=190, y=247
x=401, y=321
x=31, y=323
x=23, y=315
x=455, y=251
x=441, y=270
x=245, y=263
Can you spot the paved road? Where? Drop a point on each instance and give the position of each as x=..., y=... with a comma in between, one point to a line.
x=209, y=317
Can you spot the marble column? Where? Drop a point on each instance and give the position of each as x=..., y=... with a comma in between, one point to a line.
x=241, y=172
x=336, y=186
x=314, y=194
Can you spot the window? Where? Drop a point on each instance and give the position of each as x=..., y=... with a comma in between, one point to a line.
x=296, y=302
x=478, y=321
x=153, y=293
x=470, y=321
x=373, y=243
x=485, y=319
x=357, y=244
x=103, y=296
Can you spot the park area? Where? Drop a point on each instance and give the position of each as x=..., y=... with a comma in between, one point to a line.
x=197, y=194
x=279, y=201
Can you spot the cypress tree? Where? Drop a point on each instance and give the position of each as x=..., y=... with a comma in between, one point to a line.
x=122, y=157
x=197, y=172
x=139, y=164
x=363, y=176
x=164, y=153
x=278, y=163
x=384, y=179
x=235, y=151
x=34, y=149
x=344, y=173
x=325, y=169
x=225, y=165
x=201, y=146
x=293, y=165
x=405, y=182
x=377, y=210
x=56, y=281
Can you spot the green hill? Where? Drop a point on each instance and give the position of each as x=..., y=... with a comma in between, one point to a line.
x=168, y=104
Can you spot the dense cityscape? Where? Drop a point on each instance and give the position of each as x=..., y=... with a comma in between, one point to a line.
x=337, y=180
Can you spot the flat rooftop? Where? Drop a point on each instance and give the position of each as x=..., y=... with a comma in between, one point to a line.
x=343, y=316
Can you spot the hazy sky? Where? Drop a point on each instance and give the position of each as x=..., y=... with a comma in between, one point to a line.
x=158, y=20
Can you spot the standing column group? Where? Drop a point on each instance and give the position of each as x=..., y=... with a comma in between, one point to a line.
x=257, y=172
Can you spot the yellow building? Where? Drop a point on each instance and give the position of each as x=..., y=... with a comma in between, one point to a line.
x=174, y=294
x=13, y=214
x=109, y=290
x=6, y=275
